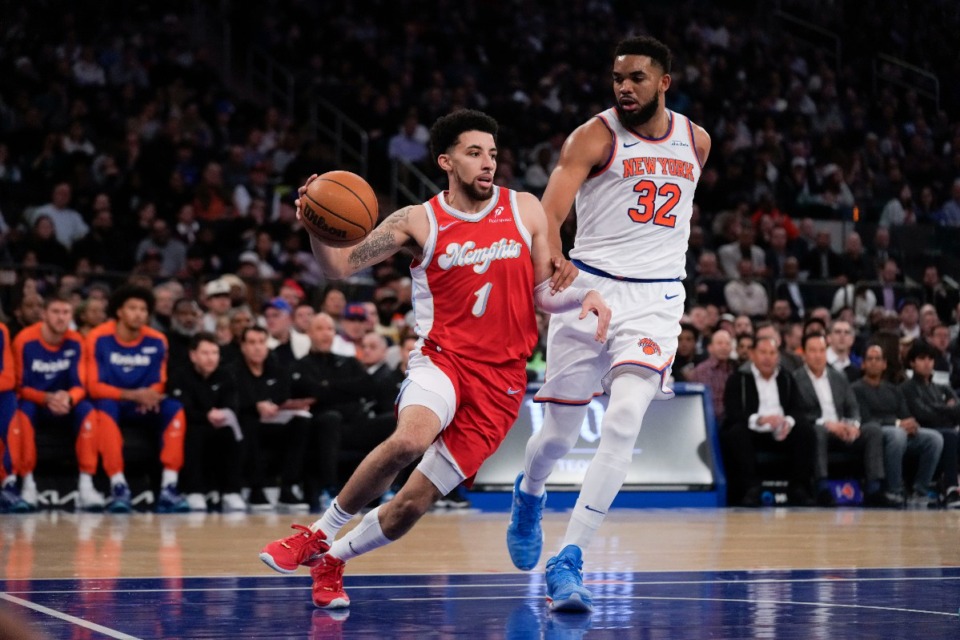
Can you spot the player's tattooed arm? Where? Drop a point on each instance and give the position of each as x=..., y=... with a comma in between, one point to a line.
x=390, y=236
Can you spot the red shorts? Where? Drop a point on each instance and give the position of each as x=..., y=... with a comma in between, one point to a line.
x=487, y=402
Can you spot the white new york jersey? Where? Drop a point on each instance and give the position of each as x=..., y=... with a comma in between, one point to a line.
x=633, y=214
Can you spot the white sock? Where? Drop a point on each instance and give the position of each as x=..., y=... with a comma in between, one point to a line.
x=28, y=480
x=630, y=395
x=332, y=520
x=169, y=477
x=604, y=478
x=363, y=538
x=86, y=481
x=560, y=430
x=9, y=481
x=118, y=478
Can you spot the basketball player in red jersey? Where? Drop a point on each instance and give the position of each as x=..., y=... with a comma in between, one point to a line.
x=479, y=250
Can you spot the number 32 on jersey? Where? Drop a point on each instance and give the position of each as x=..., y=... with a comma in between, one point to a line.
x=647, y=208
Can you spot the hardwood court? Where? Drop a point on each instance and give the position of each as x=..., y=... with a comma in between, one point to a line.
x=682, y=573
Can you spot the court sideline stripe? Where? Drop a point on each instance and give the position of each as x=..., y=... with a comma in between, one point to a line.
x=67, y=617
x=497, y=585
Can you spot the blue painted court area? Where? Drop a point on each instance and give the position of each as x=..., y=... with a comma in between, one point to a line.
x=877, y=603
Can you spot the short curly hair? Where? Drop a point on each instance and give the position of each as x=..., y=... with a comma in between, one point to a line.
x=128, y=292
x=447, y=129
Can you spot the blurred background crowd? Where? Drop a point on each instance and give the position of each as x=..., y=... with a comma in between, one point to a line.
x=135, y=148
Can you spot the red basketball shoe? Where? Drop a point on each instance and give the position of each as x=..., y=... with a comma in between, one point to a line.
x=328, y=590
x=302, y=548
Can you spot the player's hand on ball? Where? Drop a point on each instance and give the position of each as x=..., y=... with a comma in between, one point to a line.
x=298, y=203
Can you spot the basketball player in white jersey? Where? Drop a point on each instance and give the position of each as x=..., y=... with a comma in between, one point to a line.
x=478, y=250
x=632, y=170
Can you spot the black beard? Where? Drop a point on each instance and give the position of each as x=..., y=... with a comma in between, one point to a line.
x=474, y=192
x=634, y=119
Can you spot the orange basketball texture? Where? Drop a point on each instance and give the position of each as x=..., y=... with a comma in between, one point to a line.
x=339, y=207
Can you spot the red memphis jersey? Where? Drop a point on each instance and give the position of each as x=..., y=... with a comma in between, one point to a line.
x=113, y=365
x=44, y=368
x=473, y=288
x=7, y=375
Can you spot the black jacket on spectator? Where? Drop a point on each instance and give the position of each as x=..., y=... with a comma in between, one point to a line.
x=930, y=403
x=198, y=394
x=384, y=387
x=843, y=397
x=272, y=385
x=337, y=382
x=211, y=454
x=740, y=444
x=271, y=451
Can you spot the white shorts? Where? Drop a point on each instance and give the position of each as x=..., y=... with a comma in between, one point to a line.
x=643, y=333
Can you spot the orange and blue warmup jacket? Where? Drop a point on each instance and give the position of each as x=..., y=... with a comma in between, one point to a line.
x=112, y=366
x=45, y=368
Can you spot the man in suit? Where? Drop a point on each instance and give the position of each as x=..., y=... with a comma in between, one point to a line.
x=788, y=287
x=828, y=403
x=762, y=406
x=889, y=291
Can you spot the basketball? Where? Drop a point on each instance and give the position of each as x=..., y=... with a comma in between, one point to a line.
x=339, y=207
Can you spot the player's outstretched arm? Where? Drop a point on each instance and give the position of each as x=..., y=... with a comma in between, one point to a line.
x=396, y=232
x=544, y=296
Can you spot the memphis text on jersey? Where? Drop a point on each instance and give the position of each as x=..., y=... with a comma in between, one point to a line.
x=467, y=254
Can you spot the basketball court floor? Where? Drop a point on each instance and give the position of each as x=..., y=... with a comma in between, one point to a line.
x=655, y=573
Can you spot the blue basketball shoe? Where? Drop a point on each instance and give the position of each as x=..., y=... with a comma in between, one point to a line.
x=565, y=590
x=171, y=501
x=524, y=534
x=11, y=501
x=120, y=499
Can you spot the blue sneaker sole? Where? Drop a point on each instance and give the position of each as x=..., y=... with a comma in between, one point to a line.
x=119, y=508
x=573, y=604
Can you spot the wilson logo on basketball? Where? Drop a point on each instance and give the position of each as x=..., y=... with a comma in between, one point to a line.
x=320, y=223
x=649, y=346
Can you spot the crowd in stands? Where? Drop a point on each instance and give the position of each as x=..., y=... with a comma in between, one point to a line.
x=125, y=160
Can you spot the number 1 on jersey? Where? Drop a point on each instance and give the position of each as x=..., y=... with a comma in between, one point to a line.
x=483, y=294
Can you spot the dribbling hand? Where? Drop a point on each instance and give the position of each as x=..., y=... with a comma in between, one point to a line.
x=302, y=190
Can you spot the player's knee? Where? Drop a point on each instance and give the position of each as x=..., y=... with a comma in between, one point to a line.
x=557, y=445
x=405, y=447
